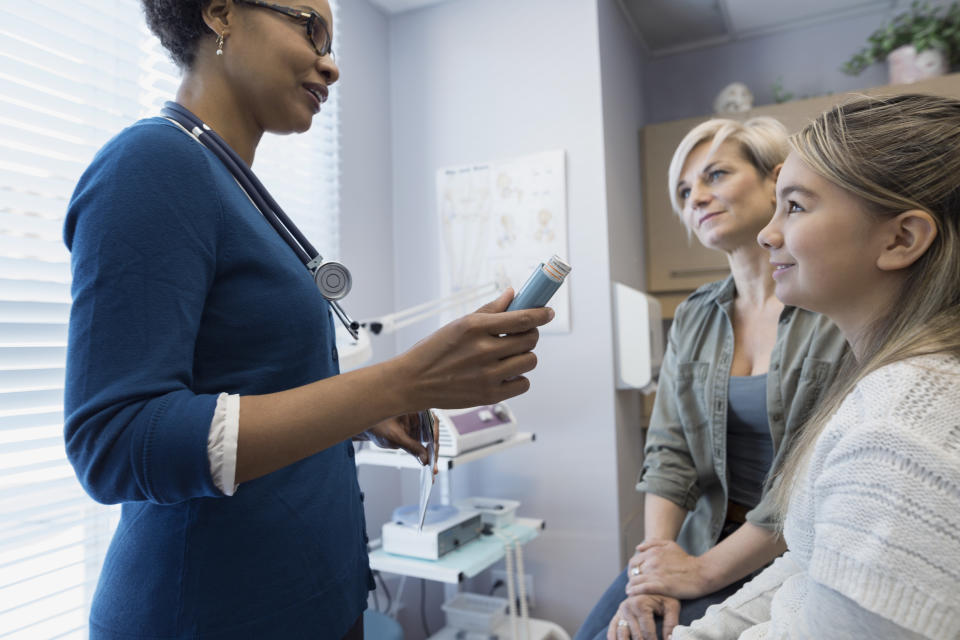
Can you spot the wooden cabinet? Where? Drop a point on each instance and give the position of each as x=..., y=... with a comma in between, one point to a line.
x=677, y=265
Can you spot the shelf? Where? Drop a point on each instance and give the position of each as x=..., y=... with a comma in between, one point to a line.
x=403, y=460
x=465, y=562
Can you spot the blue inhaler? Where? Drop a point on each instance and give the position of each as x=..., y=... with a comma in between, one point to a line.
x=540, y=287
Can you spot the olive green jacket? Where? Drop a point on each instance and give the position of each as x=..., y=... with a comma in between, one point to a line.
x=685, y=459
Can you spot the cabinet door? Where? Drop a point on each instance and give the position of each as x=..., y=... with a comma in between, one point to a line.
x=676, y=261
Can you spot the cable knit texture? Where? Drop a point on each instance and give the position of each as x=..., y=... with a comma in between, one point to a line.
x=877, y=516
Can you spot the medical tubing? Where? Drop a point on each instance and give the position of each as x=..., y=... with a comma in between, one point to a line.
x=344, y=318
x=249, y=182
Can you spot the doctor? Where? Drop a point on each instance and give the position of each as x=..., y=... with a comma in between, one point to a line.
x=203, y=391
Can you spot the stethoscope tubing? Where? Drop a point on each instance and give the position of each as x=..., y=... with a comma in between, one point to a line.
x=250, y=183
x=258, y=193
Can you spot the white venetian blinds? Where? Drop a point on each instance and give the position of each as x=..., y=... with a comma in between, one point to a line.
x=72, y=75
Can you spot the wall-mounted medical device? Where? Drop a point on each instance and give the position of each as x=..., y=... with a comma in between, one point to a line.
x=465, y=429
x=638, y=338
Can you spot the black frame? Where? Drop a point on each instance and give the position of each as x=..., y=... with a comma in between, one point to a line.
x=312, y=21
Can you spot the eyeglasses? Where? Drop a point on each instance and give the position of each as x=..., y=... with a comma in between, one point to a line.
x=317, y=31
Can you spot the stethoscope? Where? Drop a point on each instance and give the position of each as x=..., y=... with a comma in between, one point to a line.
x=332, y=278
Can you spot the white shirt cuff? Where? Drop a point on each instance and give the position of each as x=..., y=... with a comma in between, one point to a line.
x=222, y=442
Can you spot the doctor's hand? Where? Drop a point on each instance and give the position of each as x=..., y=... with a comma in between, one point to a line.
x=635, y=620
x=474, y=360
x=663, y=567
x=403, y=432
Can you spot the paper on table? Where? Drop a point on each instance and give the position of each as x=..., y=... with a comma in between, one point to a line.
x=426, y=472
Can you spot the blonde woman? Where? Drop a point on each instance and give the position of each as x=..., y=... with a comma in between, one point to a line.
x=867, y=231
x=740, y=375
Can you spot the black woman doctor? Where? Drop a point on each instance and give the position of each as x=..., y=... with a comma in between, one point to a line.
x=203, y=390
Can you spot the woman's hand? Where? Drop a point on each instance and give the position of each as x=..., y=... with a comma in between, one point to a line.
x=403, y=432
x=663, y=567
x=477, y=359
x=638, y=614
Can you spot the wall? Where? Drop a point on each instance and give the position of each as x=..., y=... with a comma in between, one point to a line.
x=366, y=199
x=622, y=71
x=807, y=59
x=366, y=193
x=477, y=80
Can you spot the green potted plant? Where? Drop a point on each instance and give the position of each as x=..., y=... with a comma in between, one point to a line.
x=921, y=42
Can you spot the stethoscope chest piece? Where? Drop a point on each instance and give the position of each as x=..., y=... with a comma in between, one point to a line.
x=333, y=279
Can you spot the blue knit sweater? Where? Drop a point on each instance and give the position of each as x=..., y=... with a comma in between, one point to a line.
x=181, y=291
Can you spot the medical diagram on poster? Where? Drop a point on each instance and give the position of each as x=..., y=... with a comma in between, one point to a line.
x=498, y=221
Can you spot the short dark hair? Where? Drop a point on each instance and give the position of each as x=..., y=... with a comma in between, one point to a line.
x=179, y=25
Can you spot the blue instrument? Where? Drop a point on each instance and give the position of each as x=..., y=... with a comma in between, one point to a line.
x=541, y=285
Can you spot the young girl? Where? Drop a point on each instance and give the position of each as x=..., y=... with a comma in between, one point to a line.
x=866, y=232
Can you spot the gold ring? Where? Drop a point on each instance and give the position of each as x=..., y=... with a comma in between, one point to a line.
x=622, y=623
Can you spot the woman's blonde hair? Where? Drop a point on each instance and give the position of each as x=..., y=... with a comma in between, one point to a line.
x=895, y=154
x=763, y=141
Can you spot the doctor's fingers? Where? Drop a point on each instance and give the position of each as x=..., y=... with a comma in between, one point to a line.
x=513, y=344
x=412, y=446
x=514, y=366
x=407, y=436
x=517, y=321
x=500, y=303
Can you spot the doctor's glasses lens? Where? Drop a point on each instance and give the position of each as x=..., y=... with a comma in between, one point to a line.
x=319, y=35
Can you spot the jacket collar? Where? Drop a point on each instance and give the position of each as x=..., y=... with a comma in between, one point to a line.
x=725, y=291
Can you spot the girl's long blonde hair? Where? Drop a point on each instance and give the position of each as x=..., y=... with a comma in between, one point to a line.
x=895, y=154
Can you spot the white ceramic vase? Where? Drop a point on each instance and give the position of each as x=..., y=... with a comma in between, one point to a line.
x=905, y=65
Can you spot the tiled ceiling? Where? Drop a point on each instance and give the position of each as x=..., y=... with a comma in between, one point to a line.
x=670, y=26
x=399, y=6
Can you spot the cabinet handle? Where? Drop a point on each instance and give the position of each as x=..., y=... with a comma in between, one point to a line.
x=697, y=271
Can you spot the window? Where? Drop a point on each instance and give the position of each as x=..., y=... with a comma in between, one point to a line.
x=72, y=75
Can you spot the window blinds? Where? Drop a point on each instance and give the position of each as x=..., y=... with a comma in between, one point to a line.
x=72, y=75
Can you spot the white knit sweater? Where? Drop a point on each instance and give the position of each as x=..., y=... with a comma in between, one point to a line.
x=874, y=528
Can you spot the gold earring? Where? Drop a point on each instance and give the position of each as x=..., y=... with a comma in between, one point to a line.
x=220, y=44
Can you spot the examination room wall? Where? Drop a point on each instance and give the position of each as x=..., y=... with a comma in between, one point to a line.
x=479, y=80
x=806, y=59
x=623, y=66
x=366, y=197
